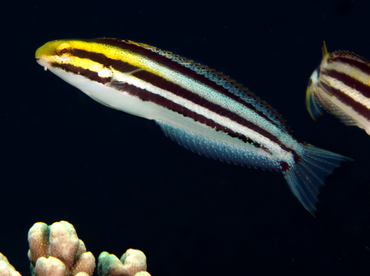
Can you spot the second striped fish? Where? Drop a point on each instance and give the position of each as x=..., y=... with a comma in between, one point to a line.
x=199, y=108
x=341, y=85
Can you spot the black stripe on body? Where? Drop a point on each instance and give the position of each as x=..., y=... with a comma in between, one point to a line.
x=153, y=53
x=145, y=95
x=358, y=107
x=357, y=85
x=81, y=71
x=351, y=59
x=121, y=66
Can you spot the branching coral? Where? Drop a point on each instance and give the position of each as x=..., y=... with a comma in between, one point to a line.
x=55, y=250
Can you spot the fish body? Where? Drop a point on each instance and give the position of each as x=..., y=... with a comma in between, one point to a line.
x=199, y=108
x=341, y=86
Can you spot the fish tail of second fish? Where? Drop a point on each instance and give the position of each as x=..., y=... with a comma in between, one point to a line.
x=307, y=176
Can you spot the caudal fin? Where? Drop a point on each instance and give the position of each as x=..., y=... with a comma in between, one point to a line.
x=308, y=175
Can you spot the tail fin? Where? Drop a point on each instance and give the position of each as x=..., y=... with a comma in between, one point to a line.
x=306, y=177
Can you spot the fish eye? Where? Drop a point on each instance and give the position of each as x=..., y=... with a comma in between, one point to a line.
x=63, y=49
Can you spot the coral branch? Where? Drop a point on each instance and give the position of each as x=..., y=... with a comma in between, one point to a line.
x=55, y=250
x=61, y=242
x=131, y=262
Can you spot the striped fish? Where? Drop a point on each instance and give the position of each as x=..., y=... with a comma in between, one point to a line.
x=341, y=86
x=197, y=107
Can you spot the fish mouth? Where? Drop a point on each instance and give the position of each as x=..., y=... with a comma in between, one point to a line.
x=43, y=62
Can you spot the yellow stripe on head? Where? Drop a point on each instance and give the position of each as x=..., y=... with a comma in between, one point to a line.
x=61, y=51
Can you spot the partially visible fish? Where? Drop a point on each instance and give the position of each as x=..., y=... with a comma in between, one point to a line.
x=341, y=86
x=199, y=108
